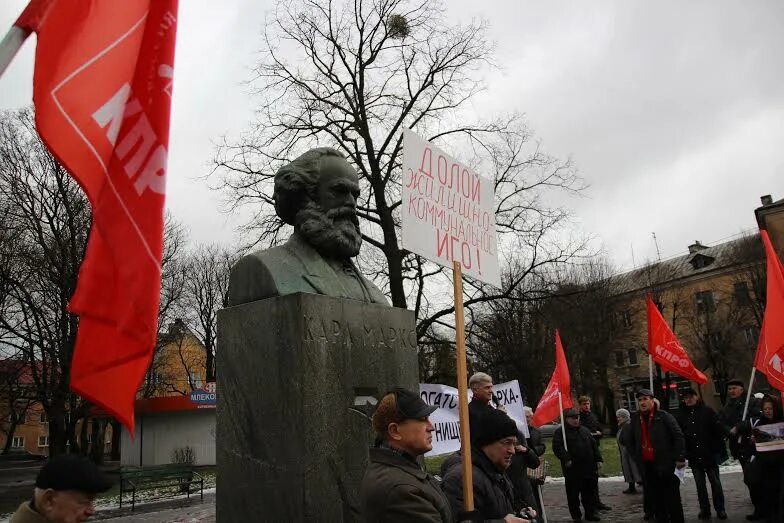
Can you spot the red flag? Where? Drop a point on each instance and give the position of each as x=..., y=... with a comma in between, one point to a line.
x=769, y=358
x=665, y=348
x=102, y=93
x=548, y=408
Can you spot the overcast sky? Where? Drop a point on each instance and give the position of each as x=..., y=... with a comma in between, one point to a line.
x=672, y=111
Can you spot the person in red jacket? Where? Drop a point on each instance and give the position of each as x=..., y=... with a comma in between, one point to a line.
x=657, y=440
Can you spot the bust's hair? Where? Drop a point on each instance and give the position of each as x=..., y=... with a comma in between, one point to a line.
x=479, y=378
x=296, y=182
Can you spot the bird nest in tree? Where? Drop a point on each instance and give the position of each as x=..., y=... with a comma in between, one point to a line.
x=397, y=26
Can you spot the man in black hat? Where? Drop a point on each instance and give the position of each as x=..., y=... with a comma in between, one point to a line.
x=732, y=415
x=493, y=443
x=704, y=445
x=395, y=488
x=581, y=460
x=481, y=386
x=65, y=489
x=657, y=440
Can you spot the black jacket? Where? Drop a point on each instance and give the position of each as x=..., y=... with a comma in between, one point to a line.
x=732, y=413
x=535, y=442
x=591, y=422
x=583, y=454
x=667, y=440
x=730, y=416
x=703, y=434
x=492, y=489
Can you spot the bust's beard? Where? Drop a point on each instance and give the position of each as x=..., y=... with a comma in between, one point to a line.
x=334, y=234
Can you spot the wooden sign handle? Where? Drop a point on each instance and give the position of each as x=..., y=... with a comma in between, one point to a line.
x=462, y=390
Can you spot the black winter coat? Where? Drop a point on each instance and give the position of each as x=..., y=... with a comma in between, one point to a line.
x=536, y=442
x=732, y=413
x=730, y=416
x=667, y=440
x=703, y=434
x=583, y=455
x=492, y=489
x=591, y=422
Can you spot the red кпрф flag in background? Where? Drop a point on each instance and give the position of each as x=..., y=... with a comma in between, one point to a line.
x=665, y=348
x=548, y=409
x=770, y=350
x=102, y=93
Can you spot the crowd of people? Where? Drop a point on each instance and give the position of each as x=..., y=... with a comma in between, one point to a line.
x=397, y=488
x=654, y=448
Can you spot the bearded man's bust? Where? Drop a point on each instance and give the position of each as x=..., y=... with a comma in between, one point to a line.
x=317, y=194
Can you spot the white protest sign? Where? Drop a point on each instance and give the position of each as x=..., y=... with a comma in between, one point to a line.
x=448, y=211
x=446, y=419
x=768, y=438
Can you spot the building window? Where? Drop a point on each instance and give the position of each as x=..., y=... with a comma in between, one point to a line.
x=718, y=386
x=89, y=438
x=195, y=379
x=154, y=378
x=43, y=441
x=18, y=442
x=705, y=301
x=715, y=339
x=633, y=357
x=742, y=296
x=619, y=362
x=43, y=418
x=627, y=318
x=751, y=334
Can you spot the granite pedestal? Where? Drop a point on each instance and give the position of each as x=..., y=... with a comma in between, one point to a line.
x=292, y=426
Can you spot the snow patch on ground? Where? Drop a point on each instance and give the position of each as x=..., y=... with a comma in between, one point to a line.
x=729, y=468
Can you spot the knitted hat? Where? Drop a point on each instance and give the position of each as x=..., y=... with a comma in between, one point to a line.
x=492, y=426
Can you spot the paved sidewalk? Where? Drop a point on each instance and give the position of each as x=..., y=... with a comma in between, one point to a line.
x=625, y=507
x=174, y=511
x=628, y=507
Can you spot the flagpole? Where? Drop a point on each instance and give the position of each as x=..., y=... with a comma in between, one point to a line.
x=748, y=393
x=650, y=370
x=10, y=45
x=462, y=390
x=563, y=423
x=541, y=504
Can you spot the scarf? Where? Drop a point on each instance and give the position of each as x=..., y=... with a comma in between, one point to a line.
x=648, y=453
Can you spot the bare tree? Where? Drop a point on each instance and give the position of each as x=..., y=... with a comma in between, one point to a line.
x=206, y=292
x=172, y=303
x=51, y=217
x=354, y=76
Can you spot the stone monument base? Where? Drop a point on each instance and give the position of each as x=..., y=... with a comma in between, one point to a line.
x=292, y=422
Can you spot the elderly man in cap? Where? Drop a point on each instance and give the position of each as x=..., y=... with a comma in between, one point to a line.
x=581, y=460
x=730, y=416
x=65, y=489
x=395, y=488
x=704, y=445
x=657, y=441
x=493, y=444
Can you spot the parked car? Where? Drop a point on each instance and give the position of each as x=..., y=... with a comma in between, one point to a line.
x=549, y=428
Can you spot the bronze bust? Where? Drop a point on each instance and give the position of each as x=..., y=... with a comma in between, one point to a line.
x=317, y=194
